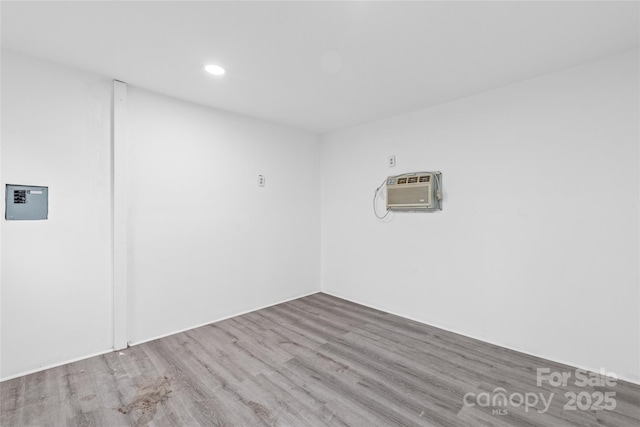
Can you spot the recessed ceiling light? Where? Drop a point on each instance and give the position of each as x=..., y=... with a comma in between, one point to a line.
x=216, y=70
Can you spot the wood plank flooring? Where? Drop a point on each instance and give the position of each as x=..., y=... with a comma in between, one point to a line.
x=315, y=361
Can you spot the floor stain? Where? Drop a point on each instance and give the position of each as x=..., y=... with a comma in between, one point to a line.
x=146, y=400
x=262, y=412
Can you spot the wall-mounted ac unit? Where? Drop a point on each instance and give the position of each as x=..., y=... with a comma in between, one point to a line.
x=415, y=191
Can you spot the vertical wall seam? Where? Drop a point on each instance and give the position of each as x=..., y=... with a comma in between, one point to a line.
x=119, y=222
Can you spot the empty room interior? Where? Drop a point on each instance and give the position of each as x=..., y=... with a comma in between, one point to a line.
x=358, y=213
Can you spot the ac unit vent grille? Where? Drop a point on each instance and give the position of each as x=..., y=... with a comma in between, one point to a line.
x=402, y=181
x=417, y=197
x=413, y=180
x=425, y=178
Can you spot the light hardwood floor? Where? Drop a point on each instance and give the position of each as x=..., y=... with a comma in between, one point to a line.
x=315, y=361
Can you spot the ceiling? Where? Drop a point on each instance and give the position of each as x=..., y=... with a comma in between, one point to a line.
x=321, y=66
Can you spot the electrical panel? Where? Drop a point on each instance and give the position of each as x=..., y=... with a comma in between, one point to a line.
x=26, y=202
x=415, y=191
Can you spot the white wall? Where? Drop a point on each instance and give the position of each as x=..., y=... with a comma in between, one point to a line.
x=206, y=241
x=56, y=286
x=537, y=246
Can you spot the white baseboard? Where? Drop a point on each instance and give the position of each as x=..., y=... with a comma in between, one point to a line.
x=563, y=362
x=131, y=343
x=578, y=366
x=55, y=365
